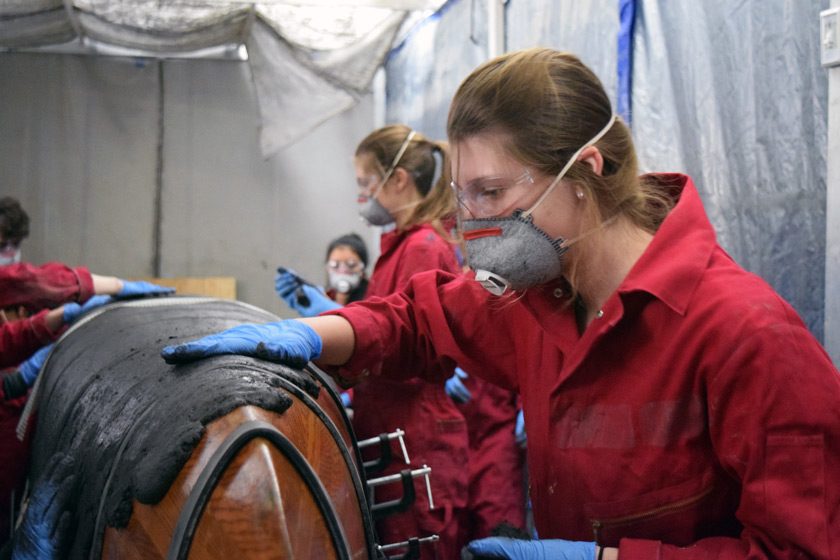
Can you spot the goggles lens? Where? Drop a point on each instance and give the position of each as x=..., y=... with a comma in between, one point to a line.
x=488, y=197
x=349, y=265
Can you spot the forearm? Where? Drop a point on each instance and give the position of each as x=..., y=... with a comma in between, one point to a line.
x=609, y=553
x=55, y=319
x=106, y=285
x=337, y=337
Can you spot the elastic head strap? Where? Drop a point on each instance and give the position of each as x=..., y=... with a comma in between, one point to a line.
x=569, y=163
x=396, y=162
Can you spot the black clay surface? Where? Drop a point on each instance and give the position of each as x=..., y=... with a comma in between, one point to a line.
x=130, y=420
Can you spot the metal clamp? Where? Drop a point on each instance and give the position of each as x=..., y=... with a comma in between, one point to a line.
x=412, y=547
x=378, y=465
x=407, y=477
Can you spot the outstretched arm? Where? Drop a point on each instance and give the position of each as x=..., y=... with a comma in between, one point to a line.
x=337, y=338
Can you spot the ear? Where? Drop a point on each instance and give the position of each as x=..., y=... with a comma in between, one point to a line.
x=401, y=178
x=592, y=157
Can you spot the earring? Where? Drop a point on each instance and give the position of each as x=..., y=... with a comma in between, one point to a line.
x=580, y=195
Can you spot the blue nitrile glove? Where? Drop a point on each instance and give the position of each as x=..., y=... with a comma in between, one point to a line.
x=73, y=311
x=30, y=369
x=519, y=432
x=517, y=549
x=286, y=281
x=346, y=401
x=318, y=302
x=46, y=524
x=456, y=389
x=141, y=288
x=289, y=286
x=287, y=342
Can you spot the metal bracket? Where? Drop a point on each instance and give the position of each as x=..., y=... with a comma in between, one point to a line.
x=412, y=547
x=406, y=477
x=378, y=465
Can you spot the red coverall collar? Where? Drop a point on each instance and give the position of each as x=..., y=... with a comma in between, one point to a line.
x=672, y=270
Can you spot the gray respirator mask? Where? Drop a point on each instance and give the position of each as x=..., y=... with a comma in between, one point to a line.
x=371, y=210
x=511, y=251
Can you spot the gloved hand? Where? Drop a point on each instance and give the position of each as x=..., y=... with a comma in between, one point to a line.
x=516, y=549
x=73, y=311
x=287, y=342
x=141, y=288
x=289, y=286
x=456, y=389
x=286, y=281
x=519, y=432
x=46, y=524
x=30, y=369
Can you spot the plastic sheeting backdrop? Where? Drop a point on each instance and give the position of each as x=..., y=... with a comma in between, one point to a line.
x=310, y=62
x=731, y=93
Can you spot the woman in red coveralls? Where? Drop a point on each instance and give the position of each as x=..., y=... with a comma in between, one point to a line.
x=51, y=294
x=676, y=406
x=395, y=171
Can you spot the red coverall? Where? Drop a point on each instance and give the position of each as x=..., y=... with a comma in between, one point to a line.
x=495, y=486
x=436, y=433
x=35, y=288
x=48, y=285
x=695, y=417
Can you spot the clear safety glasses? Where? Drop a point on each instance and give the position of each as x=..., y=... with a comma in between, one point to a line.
x=370, y=185
x=488, y=197
x=367, y=185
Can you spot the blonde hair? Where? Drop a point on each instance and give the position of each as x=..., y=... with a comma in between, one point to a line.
x=438, y=202
x=546, y=104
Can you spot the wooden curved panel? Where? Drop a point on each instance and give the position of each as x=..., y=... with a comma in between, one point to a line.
x=261, y=508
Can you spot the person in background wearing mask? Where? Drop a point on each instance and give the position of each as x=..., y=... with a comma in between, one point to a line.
x=676, y=406
x=346, y=269
x=32, y=294
x=395, y=173
x=37, y=303
x=346, y=265
x=490, y=411
x=14, y=228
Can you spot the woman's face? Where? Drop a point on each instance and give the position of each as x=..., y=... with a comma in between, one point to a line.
x=491, y=183
x=345, y=269
x=344, y=260
x=369, y=182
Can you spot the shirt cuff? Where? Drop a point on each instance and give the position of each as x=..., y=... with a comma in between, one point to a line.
x=85, y=281
x=366, y=359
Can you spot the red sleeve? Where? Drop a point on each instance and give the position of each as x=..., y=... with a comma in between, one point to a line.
x=438, y=321
x=20, y=339
x=425, y=250
x=49, y=285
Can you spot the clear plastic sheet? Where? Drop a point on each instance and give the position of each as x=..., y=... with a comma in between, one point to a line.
x=426, y=68
x=733, y=94
x=320, y=59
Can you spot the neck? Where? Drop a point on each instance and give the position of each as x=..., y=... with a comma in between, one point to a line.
x=403, y=211
x=617, y=250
